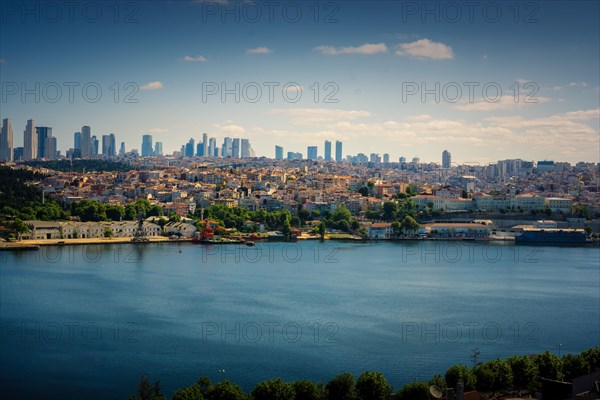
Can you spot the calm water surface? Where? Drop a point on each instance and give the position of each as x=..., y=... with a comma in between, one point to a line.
x=84, y=322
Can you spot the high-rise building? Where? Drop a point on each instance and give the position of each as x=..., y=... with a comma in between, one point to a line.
x=77, y=140
x=245, y=149
x=158, y=149
x=109, y=145
x=50, y=150
x=278, y=153
x=311, y=152
x=122, y=149
x=226, y=149
x=43, y=133
x=446, y=159
x=30, y=145
x=294, y=156
x=338, y=151
x=386, y=158
x=199, y=149
x=6, y=141
x=212, y=145
x=86, y=142
x=205, y=144
x=235, y=148
x=375, y=158
x=189, y=148
x=95, y=146
x=328, y=151
x=147, y=145
x=416, y=160
x=402, y=160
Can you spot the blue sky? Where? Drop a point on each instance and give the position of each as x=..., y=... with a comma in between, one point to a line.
x=365, y=55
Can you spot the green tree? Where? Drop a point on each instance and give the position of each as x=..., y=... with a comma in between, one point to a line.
x=19, y=228
x=341, y=387
x=147, y=390
x=409, y=224
x=438, y=381
x=322, y=229
x=189, y=393
x=364, y=191
x=372, y=386
x=273, y=390
x=224, y=391
x=411, y=191
x=414, y=391
x=303, y=215
x=115, y=212
x=493, y=376
x=574, y=366
x=524, y=372
x=549, y=365
x=592, y=357
x=390, y=210
x=108, y=233
x=307, y=390
x=456, y=372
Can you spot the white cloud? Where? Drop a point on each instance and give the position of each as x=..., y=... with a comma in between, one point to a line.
x=425, y=48
x=157, y=130
x=308, y=116
x=259, y=50
x=367, y=48
x=152, y=86
x=200, y=58
x=571, y=85
x=505, y=102
x=583, y=115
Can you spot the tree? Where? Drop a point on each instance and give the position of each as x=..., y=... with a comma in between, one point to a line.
x=115, y=212
x=307, y=390
x=364, y=191
x=372, y=386
x=592, y=357
x=303, y=215
x=414, y=391
x=524, y=372
x=189, y=393
x=273, y=390
x=574, y=366
x=108, y=233
x=341, y=387
x=549, y=365
x=438, y=381
x=456, y=372
x=411, y=191
x=148, y=391
x=224, y=391
x=390, y=210
x=322, y=229
x=19, y=228
x=409, y=224
x=493, y=375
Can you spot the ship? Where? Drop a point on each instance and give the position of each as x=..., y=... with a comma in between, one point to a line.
x=553, y=236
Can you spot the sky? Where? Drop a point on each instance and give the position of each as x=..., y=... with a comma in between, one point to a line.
x=483, y=80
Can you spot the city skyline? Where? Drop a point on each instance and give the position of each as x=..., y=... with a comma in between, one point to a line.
x=384, y=85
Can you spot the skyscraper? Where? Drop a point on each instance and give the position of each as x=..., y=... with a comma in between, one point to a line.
x=205, y=144
x=402, y=159
x=338, y=151
x=122, y=149
x=43, y=133
x=86, y=142
x=77, y=140
x=158, y=149
x=95, y=146
x=30, y=146
x=6, y=141
x=108, y=145
x=189, y=148
x=278, y=153
x=199, y=150
x=235, y=148
x=328, y=151
x=50, y=152
x=245, y=150
x=227, y=144
x=212, y=145
x=446, y=159
x=386, y=158
x=147, y=145
x=311, y=152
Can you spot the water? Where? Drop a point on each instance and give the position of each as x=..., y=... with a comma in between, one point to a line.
x=85, y=322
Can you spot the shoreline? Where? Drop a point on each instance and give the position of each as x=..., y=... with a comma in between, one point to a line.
x=37, y=243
